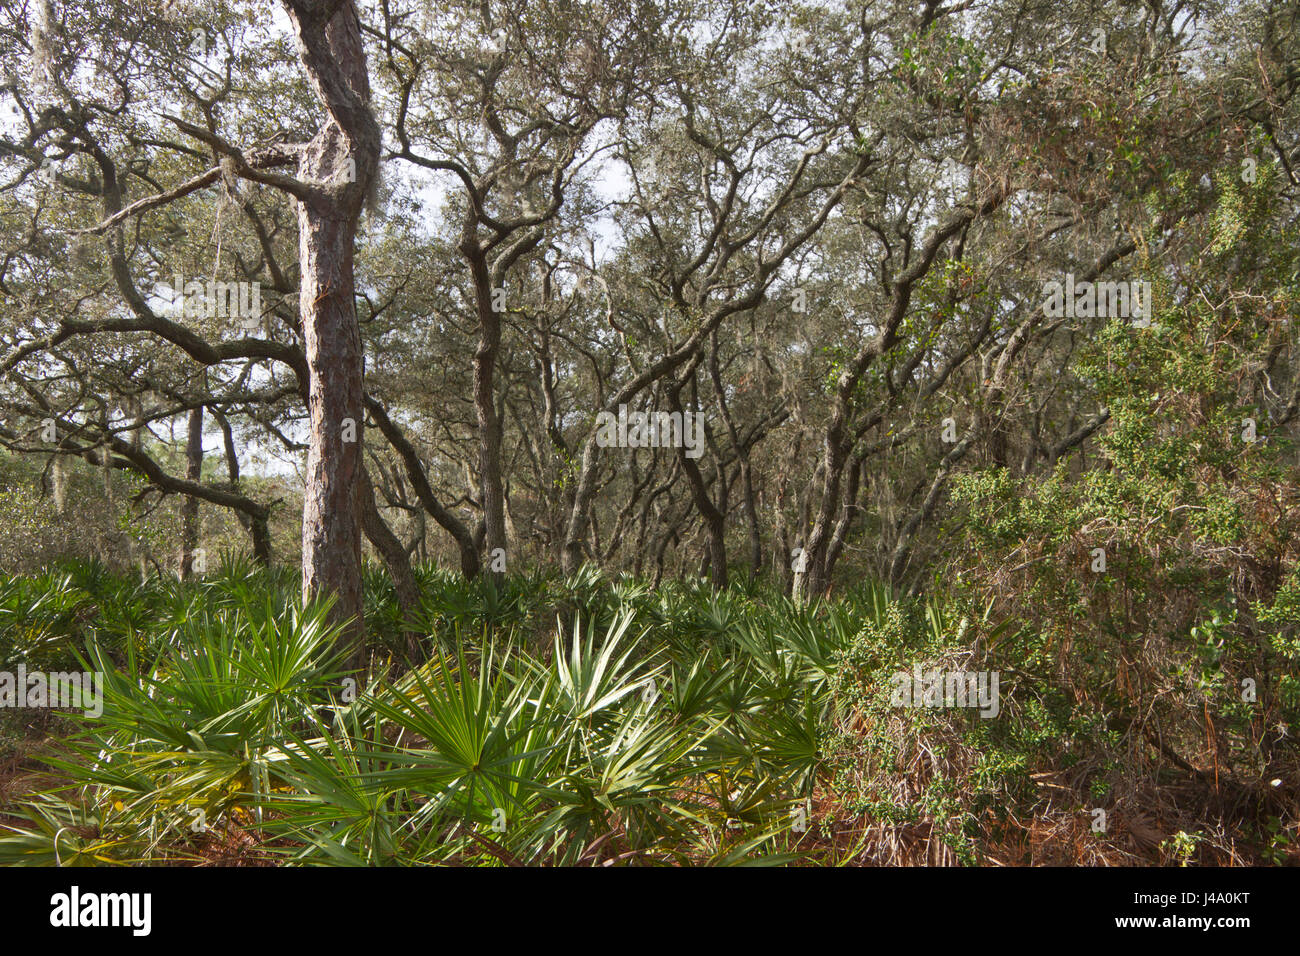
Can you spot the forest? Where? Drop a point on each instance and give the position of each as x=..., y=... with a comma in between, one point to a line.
x=589, y=433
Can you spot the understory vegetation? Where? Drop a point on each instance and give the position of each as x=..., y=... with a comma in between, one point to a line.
x=593, y=720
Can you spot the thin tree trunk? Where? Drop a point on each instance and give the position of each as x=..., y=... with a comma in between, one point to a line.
x=59, y=484
x=257, y=527
x=491, y=487
x=742, y=454
x=398, y=562
x=466, y=541
x=261, y=531
x=751, y=516
x=713, y=515
x=190, y=507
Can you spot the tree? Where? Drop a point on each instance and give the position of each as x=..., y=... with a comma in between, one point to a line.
x=333, y=174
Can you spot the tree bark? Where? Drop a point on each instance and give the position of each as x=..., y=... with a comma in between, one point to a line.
x=190, y=507
x=465, y=539
x=331, y=527
x=257, y=526
x=338, y=165
x=715, y=518
x=491, y=486
x=398, y=562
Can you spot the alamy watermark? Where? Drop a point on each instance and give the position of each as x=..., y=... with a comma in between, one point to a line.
x=939, y=688
x=1100, y=300
x=197, y=299
x=651, y=430
x=77, y=909
x=37, y=689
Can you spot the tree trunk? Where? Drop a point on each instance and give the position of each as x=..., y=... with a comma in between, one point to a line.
x=59, y=483
x=190, y=507
x=398, y=562
x=489, y=422
x=715, y=519
x=465, y=539
x=258, y=527
x=835, y=456
x=261, y=532
x=331, y=526
x=339, y=165
x=751, y=516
